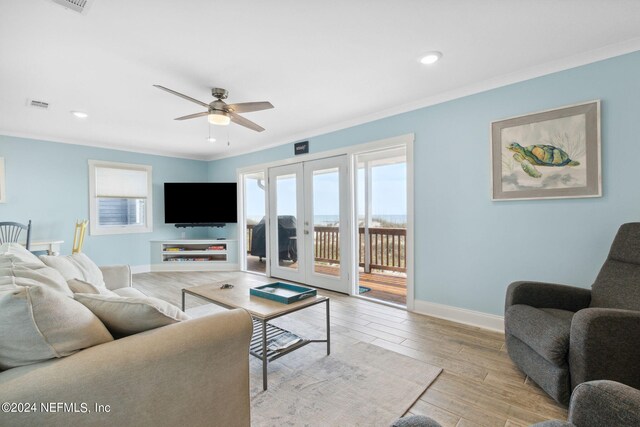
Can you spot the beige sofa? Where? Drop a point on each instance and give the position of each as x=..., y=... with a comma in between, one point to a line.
x=192, y=373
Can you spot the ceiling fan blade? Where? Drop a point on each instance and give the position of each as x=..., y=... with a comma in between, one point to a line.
x=247, y=107
x=188, y=98
x=193, y=116
x=244, y=122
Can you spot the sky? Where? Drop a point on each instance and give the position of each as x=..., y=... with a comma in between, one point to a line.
x=389, y=196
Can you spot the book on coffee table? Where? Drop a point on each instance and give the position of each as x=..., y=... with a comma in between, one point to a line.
x=282, y=342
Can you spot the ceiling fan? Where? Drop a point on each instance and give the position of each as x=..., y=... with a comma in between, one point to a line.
x=220, y=113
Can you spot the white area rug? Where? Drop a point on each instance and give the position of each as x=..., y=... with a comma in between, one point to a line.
x=359, y=384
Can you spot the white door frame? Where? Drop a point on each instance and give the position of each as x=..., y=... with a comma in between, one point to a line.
x=373, y=155
x=408, y=141
x=242, y=222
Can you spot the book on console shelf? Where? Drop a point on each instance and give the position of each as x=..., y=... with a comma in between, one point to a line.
x=282, y=342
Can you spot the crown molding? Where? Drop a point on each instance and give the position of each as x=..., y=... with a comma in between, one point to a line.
x=106, y=146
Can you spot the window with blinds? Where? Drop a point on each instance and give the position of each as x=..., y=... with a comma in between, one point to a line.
x=120, y=198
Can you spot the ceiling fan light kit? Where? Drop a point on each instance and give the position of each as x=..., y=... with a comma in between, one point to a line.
x=218, y=118
x=219, y=112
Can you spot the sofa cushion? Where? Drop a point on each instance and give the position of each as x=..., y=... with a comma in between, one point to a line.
x=76, y=266
x=129, y=315
x=546, y=331
x=12, y=254
x=38, y=323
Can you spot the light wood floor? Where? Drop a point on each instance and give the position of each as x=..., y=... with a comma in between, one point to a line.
x=479, y=385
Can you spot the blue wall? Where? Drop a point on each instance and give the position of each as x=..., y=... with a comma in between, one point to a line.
x=48, y=183
x=469, y=248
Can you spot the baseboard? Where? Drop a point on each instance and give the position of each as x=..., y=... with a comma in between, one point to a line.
x=460, y=315
x=145, y=268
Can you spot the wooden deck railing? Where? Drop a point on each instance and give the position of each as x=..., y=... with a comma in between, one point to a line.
x=326, y=244
x=387, y=247
x=249, y=238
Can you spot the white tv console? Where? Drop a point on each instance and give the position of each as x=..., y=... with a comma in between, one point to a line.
x=194, y=255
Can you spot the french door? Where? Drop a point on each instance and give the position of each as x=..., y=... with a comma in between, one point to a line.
x=309, y=223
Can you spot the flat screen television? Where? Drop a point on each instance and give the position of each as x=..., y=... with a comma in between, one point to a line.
x=200, y=203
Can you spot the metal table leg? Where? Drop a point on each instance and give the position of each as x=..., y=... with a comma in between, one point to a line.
x=183, y=299
x=264, y=354
x=328, y=331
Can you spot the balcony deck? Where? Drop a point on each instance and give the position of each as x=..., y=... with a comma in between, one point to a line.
x=385, y=286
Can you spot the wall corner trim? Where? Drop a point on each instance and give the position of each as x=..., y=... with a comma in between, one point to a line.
x=460, y=315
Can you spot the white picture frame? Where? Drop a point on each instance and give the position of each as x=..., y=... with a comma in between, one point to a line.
x=3, y=191
x=557, y=154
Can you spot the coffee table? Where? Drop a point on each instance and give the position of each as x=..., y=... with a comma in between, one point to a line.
x=262, y=311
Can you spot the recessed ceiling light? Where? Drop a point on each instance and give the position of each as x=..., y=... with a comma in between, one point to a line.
x=80, y=114
x=211, y=139
x=431, y=58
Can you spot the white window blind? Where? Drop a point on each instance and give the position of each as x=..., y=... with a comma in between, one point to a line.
x=121, y=183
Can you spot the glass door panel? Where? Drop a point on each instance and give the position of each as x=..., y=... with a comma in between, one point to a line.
x=382, y=224
x=255, y=222
x=285, y=225
x=326, y=221
x=286, y=214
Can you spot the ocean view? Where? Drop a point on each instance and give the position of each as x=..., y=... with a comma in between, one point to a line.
x=328, y=220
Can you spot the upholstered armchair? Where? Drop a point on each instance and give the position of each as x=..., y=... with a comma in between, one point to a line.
x=600, y=404
x=561, y=336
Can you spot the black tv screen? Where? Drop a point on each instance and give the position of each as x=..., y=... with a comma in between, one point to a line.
x=200, y=202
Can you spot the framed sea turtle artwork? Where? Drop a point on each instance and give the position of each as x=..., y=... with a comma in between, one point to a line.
x=3, y=197
x=546, y=155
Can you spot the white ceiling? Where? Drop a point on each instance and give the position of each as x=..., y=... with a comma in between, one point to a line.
x=323, y=64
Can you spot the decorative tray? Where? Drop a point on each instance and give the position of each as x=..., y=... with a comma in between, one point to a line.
x=283, y=292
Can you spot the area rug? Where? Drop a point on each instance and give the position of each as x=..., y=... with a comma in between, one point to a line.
x=358, y=384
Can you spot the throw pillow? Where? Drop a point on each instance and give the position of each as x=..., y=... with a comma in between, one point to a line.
x=12, y=254
x=129, y=315
x=44, y=276
x=78, y=286
x=76, y=266
x=38, y=324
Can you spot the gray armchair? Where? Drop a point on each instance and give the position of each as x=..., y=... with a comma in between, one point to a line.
x=562, y=336
x=601, y=403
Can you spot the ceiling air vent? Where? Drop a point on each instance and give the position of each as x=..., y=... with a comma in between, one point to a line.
x=80, y=6
x=41, y=105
